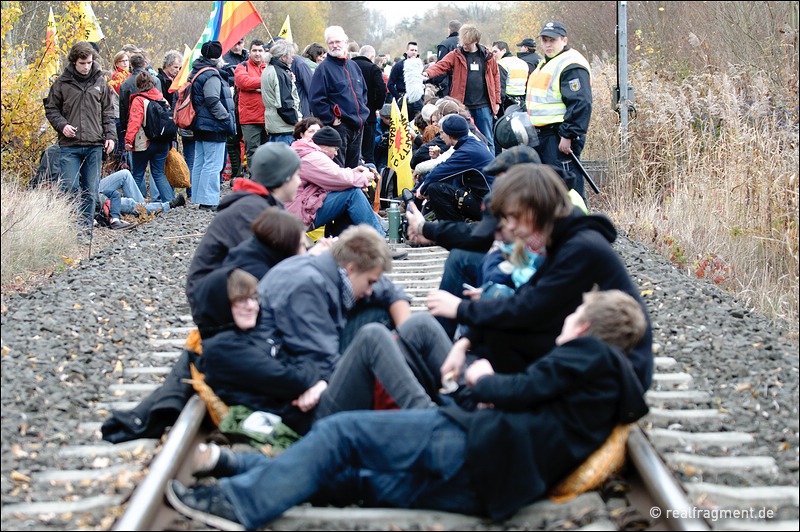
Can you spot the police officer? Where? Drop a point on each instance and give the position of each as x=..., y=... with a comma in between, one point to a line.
x=513, y=75
x=559, y=102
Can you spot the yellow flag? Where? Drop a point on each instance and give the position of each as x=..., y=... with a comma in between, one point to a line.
x=51, y=62
x=286, y=31
x=90, y=23
x=400, y=147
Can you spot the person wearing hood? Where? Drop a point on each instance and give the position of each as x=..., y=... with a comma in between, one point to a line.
x=80, y=109
x=339, y=96
x=476, y=79
x=274, y=180
x=327, y=190
x=214, y=122
x=532, y=202
x=145, y=151
x=544, y=422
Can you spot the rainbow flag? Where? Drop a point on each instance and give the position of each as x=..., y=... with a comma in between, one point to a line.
x=51, y=61
x=400, y=147
x=228, y=22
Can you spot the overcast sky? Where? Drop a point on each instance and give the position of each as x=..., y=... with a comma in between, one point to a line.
x=394, y=12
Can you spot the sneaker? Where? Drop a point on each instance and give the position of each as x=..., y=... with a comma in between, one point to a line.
x=177, y=201
x=399, y=254
x=206, y=504
x=211, y=460
x=119, y=224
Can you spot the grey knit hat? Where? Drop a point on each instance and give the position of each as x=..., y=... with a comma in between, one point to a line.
x=274, y=163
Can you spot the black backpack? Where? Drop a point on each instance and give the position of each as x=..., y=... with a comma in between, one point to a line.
x=159, y=122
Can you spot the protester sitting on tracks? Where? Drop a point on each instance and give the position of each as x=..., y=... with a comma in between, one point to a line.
x=274, y=179
x=532, y=201
x=543, y=423
x=130, y=198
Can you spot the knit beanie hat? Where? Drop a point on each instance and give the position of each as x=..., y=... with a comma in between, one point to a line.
x=274, y=163
x=427, y=111
x=327, y=136
x=211, y=49
x=455, y=125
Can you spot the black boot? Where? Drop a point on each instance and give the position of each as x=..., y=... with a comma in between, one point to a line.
x=177, y=201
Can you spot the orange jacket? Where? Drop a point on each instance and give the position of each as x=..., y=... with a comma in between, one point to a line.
x=456, y=63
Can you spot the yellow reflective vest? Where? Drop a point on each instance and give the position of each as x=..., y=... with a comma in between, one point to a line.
x=543, y=99
x=517, y=75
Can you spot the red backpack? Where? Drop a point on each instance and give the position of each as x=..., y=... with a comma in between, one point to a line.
x=184, y=110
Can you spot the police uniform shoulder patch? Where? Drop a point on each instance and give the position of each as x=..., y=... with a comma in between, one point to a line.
x=575, y=85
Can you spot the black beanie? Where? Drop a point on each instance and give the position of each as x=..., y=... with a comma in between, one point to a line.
x=327, y=136
x=274, y=163
x=211, y=50
x=455, y=125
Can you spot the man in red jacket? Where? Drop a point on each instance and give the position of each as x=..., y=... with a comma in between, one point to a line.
x=247, y=78
x=476, y=79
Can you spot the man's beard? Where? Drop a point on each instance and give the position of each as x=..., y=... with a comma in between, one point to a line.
x=337, y=53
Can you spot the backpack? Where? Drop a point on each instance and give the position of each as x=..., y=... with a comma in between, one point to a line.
x=103, y=214
x=184, y=109
x=158, y=124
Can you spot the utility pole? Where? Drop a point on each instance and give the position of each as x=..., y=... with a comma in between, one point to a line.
x=623, y=97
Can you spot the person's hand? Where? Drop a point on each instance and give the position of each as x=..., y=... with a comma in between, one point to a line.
x=565, y=146
x=128, y=146
x=310, y=398
x=70, y=131
x=476, y=370
x=322, y=245
x=473, y=293
x=109, y=145
x=454, y=362
x=336, y=122
x=441, y=303
x=434, y=151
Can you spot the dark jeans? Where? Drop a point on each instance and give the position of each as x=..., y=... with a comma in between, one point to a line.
x=349, y=154
x=548, y=152
x=234, y=147
x=368, y=141
x=80, y=176
x=460, y=267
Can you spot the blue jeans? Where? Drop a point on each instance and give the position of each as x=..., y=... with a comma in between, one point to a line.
x=156, y=156
x=460, y=267
x=209, y=159
x=188, y=154
x=408, y=453
x=131, y=195
x=484, y=121
x=286, y=138
x=80, y=175
x=354, y=202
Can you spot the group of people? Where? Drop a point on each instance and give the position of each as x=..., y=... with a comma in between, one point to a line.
x=479, y=405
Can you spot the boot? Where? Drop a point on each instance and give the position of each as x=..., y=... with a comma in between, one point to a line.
x=177, y=201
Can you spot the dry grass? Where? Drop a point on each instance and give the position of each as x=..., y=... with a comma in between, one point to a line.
x=710, y=179
x=38, y=232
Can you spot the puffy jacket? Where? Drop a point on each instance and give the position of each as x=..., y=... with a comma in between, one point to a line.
x=319, y=175
x=281, y=101
x=213, y=103
x=83, y=103
x=456, y=62
x=247, y=78
x=338, y=90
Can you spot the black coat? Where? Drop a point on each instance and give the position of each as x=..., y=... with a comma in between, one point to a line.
x=545, y=422
x=376, y=87
x=517, y=330
x=229, y=228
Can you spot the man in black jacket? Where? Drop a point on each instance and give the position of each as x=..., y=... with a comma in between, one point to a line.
x=544, y=423
x=527, y=52
x=445, y=47
x=376, y=95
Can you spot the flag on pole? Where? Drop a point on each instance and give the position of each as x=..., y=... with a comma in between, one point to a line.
x=286, y=31
x=400, y=147
x=51, y=63
x=90, y=23
x=228, y=22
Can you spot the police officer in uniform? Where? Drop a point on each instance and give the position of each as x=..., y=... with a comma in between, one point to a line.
x=559, y=102
x=513, y=76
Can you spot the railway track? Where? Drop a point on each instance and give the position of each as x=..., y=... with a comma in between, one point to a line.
x=686, y=465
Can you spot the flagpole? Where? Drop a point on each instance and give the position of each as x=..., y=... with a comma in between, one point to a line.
x=271, y=38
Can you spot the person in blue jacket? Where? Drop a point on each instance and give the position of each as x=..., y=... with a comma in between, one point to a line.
x=339, y=97
x=456, y=187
